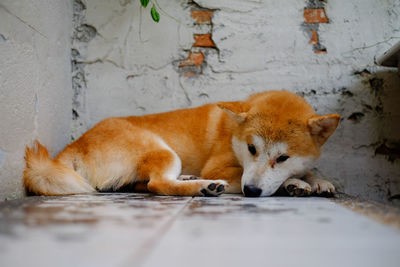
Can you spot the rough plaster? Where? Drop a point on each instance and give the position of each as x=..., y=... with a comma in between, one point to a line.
x=35, y=83
x=131, y=67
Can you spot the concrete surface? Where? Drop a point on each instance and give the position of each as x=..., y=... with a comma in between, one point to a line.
x=391, y=58
x=35, y=83
x=128, y=65
x=146, y=230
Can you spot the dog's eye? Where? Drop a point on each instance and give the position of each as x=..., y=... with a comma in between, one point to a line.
x=282, y=158
x=252, y=149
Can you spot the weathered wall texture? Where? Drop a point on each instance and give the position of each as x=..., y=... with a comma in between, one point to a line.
x=125, y=64
x=35, y=82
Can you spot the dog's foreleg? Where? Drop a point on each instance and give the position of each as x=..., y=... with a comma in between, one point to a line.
x=218, y=168
x=232, y=175
x=185, y=177
x=162, y=168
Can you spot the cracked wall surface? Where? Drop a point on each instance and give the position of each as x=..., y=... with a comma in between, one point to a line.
x=125, y=64
x=35, y=83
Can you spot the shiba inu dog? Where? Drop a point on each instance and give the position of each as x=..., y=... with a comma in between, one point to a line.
x=256, y=146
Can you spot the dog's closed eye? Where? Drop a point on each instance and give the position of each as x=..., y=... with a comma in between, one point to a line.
x=282, y=158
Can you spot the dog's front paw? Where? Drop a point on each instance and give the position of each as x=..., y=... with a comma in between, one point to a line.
x=322, y=187
x=185, y=177
x=296, y=187
x=213, y=188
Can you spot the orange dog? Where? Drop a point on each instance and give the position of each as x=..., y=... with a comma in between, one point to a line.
x=255, y=146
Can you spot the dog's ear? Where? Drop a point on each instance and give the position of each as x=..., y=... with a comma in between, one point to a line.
x=237, y=110
x=321, y=127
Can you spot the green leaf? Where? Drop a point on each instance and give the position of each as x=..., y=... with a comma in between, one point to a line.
x=154, y=14
x=144, y=3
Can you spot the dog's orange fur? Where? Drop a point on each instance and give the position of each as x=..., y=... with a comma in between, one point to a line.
x=121, y=151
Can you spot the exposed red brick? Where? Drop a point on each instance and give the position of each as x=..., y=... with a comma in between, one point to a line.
x=203, y=40
x=320, y=51
x=314, y=37
x=315, y=15
x=193, y=59
x=189, y=74
x=202, y=16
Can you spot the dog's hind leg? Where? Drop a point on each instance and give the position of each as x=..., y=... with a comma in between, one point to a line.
x=163, y=167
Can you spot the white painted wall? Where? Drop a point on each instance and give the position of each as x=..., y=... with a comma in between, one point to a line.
x=130, y=67
x=35, y=83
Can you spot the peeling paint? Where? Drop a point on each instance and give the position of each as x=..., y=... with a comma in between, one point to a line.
x=345, y=92
x=391, y=150
x=202, y=19
x=314, y=14
x=363, y=73
x=82, y=34
x=316, y=3
x=356, y=116
x=376, y=85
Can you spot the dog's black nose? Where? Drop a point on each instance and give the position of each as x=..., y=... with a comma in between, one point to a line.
x=252, y=191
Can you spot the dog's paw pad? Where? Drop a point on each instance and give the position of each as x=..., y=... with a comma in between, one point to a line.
x=214, y=189
x=212, y=186
x=206, y=193
x=188, y=177
x=290, y=188
x=220, y=188
x=299, y=189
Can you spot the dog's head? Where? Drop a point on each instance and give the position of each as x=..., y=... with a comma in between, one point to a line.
x=277, y=135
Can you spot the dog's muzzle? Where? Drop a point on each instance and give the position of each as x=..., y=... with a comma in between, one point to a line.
x=252, y=191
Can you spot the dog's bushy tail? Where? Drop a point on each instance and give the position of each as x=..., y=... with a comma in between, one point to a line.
x=50, y=177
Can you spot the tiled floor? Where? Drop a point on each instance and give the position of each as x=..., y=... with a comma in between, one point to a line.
x=145, y=230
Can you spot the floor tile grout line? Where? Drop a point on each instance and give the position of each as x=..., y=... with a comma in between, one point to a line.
x=141, y=255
